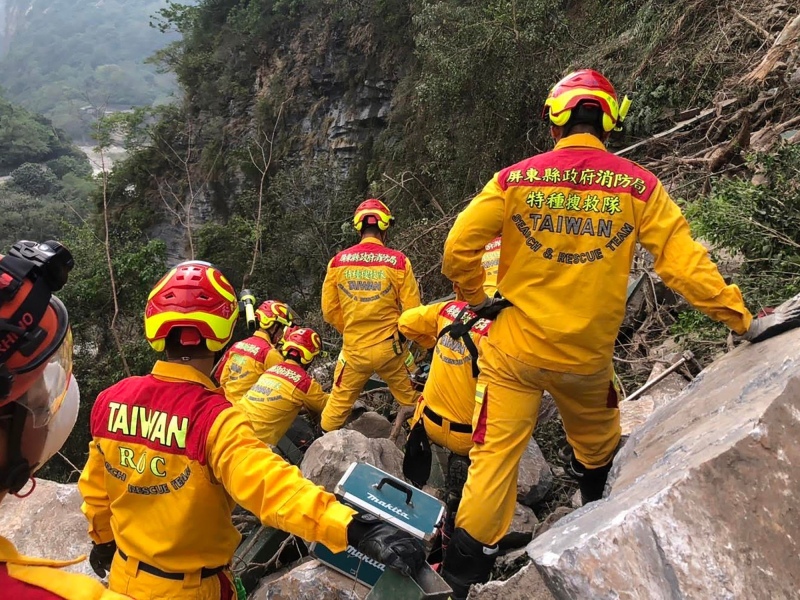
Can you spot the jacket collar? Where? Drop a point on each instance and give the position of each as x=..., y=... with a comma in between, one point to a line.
x=580, y=140
x=371, y=240
x=263, y=335
x=170, y=371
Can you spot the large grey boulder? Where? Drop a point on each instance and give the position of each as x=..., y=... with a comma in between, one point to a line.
x=526, y=584
x=535, y=479
x=371, y=424
x=48, y=524
x=328, y=458
x=520, y=532
x=310, y=581
x=703, y=497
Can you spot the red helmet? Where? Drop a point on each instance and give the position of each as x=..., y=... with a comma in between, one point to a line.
x=197, y=298
x=305, y=343
x=588, y=86
x=374, y=212
x=271, y=312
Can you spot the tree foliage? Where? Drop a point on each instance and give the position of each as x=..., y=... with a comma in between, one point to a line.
x=64, y=56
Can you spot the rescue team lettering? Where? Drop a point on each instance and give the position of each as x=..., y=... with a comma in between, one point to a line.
x=127, y=458
x=493, y=245
x=248, y=347
x=620, y=237
x=115, y=473
x=605, y=178
x=154, y=425
x=368, y=257
x=530, y=241
x=181, y=479
x=364, y=274
x=282, y=371
x=572, y=225
x=364, y=286
x=150, y=490
x=575, y=202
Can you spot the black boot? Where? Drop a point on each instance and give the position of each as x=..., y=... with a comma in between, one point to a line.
x=591, y=482
x=457, y=468
x=467, y=562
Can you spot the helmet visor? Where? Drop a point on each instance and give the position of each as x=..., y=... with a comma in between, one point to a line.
x=46, y=394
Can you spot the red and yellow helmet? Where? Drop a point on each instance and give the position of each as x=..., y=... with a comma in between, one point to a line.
x=271, y=312
x=374, y=212
x=305, y=343
x=588, y=86
x=197, y=298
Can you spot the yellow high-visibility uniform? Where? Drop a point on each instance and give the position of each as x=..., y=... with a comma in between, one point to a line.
x=274, y=402
x=366, y=288
x=490, y=261
x=243, y=364
x=569, y=220
x=28, y=578
x=450, y=389
x=168, y=460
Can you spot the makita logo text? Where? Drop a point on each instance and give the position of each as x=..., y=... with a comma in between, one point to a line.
x=371, y=562
x=387, y=506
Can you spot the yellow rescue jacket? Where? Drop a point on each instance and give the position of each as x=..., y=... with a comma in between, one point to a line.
x=490, y=261
x=274, y=402
x=243, y=364
x=18, y=572
x=570, y=219
x=169, y=458
x=366, y=288
x=450, y=389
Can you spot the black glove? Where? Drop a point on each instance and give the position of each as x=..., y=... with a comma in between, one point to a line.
x=771, y=325
x=490, y=307
x=387, y=544
x=101, y=556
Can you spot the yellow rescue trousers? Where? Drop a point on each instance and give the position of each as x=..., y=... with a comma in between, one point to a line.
x=354, y=367
x=509, y=393
x=127, y=577
x=440, y=433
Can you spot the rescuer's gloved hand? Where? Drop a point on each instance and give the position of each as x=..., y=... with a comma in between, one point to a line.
x=387, y=544
x=101, y=556
x=489, y=308
x=765, y=327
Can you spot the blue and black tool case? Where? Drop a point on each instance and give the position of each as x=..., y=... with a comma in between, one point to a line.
x=367, y=489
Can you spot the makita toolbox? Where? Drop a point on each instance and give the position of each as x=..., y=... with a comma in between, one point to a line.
x=370, y=490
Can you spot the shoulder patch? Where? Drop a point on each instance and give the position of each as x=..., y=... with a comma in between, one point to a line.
x=295, y=375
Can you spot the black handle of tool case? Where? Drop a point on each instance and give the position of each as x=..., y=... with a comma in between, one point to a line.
x=398, y=486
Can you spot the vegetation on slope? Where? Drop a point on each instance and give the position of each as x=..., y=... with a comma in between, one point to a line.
x=65, y=56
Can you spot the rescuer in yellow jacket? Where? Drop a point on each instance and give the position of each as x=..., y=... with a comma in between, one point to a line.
x=279, y=395
x=39, y=401
x=245, y=361
x=569, y=220
x=170, y=456
x=366, y=288
x=490, y=261
x=446, y=405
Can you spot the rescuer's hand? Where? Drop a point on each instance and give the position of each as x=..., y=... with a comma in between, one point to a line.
x=767, y=326
x=101, y=556
x=387, y=544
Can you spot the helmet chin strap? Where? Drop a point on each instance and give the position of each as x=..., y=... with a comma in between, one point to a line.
x=18, y=470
